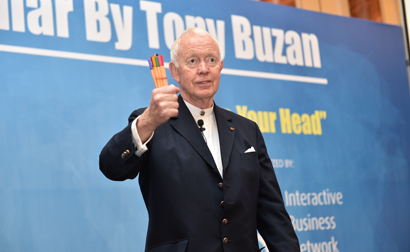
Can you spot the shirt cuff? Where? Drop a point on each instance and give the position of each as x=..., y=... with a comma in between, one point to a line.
x=140, y=148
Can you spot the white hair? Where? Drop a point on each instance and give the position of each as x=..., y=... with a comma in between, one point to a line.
x=192, y=30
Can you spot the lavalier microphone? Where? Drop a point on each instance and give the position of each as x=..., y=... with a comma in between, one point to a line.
x=201, y=124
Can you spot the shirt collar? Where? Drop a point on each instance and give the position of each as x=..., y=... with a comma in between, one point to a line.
x=196, y=112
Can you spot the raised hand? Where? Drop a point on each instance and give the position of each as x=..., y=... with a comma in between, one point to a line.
x=163, y=106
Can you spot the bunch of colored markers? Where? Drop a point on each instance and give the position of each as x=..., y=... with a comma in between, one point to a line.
x=156, y=64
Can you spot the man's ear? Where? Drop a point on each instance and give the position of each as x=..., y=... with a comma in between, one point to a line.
x=222, y=65
x=174, y=71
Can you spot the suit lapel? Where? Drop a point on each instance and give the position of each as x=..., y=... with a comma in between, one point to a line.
x=185, y=125
x=226, y=130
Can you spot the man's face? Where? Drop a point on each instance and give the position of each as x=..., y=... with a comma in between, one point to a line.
x=199, y=69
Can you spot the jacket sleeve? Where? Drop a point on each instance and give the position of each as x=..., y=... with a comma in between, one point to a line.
x=273, y=221
x=117, y=159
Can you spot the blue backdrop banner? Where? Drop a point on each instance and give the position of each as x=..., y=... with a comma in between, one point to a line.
x=329, y=93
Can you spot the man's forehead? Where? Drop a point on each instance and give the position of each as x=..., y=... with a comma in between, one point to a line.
x=199, y=45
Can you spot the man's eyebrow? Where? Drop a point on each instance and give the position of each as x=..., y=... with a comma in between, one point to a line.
x=212, y=54
x=189, y=55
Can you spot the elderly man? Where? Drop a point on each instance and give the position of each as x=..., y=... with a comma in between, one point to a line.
x=204, y=172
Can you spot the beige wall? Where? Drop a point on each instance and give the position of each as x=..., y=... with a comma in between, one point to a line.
x=336, y=7
x=386, y=11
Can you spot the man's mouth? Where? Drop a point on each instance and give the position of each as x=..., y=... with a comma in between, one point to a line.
x=203, y=82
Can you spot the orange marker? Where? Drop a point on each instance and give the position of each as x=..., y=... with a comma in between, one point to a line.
x=159, y=71
x=157, y=68
x=152, y=72
x=156, y=71
x=162, y=69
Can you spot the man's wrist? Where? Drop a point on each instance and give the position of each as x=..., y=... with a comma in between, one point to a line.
x=140, y=147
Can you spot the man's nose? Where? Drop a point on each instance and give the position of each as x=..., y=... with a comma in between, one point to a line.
x=203, y=68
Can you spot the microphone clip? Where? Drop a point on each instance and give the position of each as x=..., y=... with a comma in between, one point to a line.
x=201, y=124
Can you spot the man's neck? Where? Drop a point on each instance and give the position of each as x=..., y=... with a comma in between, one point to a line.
x=201, y=104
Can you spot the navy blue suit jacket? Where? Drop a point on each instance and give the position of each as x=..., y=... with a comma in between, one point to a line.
x=191, y=208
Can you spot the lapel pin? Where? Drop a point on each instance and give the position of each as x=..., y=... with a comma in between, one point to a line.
x=232, y=129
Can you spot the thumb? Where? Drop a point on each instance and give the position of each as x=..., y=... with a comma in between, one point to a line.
x=175, y=88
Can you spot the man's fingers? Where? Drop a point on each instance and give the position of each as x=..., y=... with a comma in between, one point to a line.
x=163, y=99
x=165, y=93
x=171, y=89
x=164, y=104
x=173, y=112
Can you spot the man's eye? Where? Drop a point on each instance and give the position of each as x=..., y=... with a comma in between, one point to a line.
x=211, y=61
x=192, y=61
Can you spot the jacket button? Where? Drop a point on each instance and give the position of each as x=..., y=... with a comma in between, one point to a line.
x=225, y=240
x=222, y=203
x=125, y=154
x=220, y=185
x=224, y=221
